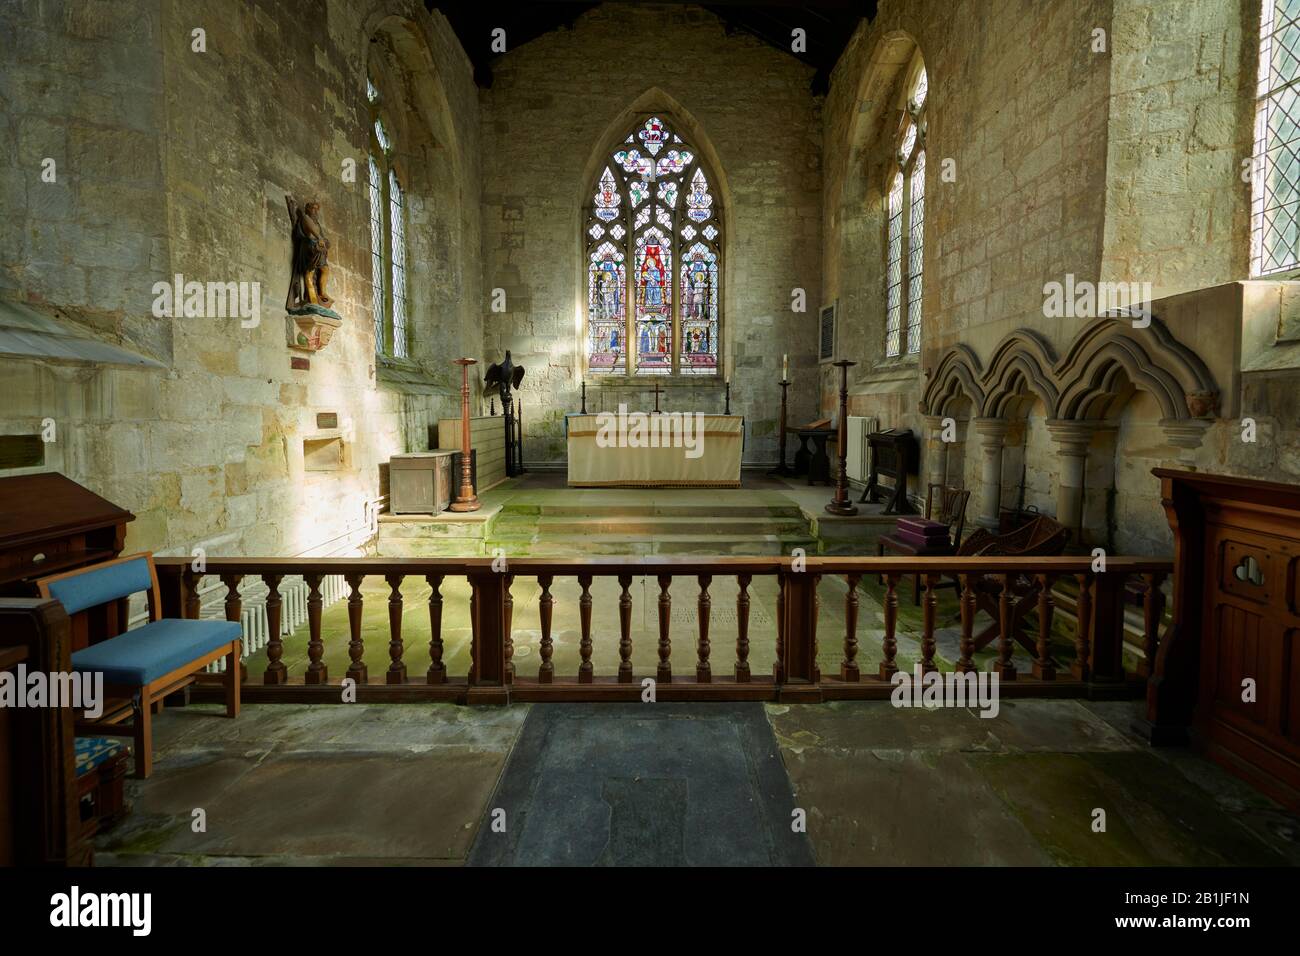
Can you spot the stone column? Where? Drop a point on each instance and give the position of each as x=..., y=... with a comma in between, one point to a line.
x=993, y=432
x=936, y=451
x=1072, y=439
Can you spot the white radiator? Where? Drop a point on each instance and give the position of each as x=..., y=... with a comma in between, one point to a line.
x=857, y=452
x=293, y=612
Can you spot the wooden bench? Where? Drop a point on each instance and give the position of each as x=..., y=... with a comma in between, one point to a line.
x=142, y=666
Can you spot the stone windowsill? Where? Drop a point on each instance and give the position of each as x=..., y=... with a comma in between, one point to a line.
x=396, y=371
x=893, y=376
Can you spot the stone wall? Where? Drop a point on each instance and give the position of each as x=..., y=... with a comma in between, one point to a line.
x=177, y=160
x=1181, y=124
x=558, y=102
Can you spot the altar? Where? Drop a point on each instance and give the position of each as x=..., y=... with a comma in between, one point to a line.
x=654, y=450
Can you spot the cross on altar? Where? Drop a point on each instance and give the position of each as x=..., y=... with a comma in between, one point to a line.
x=656, y=397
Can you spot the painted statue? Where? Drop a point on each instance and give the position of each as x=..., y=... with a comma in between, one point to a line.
x=310, y=268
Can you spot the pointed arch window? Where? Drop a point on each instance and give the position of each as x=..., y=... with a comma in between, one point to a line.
x=905, y=222
x=1275, y=173
x=653, y=240
x=387, y=236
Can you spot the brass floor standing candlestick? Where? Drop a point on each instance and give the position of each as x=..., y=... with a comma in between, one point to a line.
x=466, y=500
x=781, y=468
x=727, y=409
x=841, y=504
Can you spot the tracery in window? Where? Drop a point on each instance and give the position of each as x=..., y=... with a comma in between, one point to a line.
x=653, y=209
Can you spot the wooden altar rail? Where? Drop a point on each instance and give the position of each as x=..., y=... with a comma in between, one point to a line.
x=493, y=678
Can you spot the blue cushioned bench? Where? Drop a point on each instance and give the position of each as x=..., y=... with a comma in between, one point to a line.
x=150, y=662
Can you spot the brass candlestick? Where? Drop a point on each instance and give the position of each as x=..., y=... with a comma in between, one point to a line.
x=466, y=500
x=727, y=409
x=781, y=468
x=584, y=396
x=841, y=504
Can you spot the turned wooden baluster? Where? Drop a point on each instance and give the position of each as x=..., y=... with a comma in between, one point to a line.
x=742, y=629
x=929, y=610
x=191, y=580
x=1044, y=667
x=317, y=671
x=234, y=610
x=1152, y=609
x=276, y=672
x=396, y=669
x=703, y=670
x=849, y=666
x=665, y=670
x=965, y=663
x=625, y=630
x=1005, y=667
x=509, y=625
x=889, y=645
x=437, y=669
x=778, y=666
x=584, y=617
x=1082, y=666
x=546, y=672
x=356, y=646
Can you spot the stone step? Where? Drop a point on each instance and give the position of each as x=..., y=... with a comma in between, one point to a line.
x=614, y=544
x=701, y=509
x=658, y=525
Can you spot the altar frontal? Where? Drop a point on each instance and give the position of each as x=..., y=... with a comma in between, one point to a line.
x=626, y=449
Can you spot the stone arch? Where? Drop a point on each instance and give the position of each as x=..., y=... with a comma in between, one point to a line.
x=1151, y=359
x=1021, y=363
x=958, y=373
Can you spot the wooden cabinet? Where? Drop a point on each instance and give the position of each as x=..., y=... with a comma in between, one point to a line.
x=1230, y=665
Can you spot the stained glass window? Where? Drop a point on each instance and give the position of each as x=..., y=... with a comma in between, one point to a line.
x=387, y=236
x=905, y=221
x=1275, y=173
x=653, y=211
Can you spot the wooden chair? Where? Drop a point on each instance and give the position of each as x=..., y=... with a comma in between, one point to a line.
x=952, y=512
x=142, y=666
x=1042, y=537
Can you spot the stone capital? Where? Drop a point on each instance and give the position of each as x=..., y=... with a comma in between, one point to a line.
x=1185, y=432
x=991, y=428
x=1073, y=435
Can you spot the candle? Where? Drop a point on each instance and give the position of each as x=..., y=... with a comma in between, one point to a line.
x=785, y=367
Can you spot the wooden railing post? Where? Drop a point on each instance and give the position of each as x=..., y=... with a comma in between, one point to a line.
x=487, y=644
x=742, y=629
x=276, y=673
x=664, y=673
x=849, y=666
x=317, y=670
x=545, y=609
x=799, y=667
x=437, y=673
x=625, y=630
x=356, y=646
x=585, y=672
x=1108, y=627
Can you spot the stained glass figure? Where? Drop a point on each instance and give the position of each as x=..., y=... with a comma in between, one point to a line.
x=654, y=304
x=699, y=311
x=606, y=312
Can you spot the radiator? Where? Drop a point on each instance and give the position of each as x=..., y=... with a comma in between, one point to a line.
x=293, y=612
x=857, y=451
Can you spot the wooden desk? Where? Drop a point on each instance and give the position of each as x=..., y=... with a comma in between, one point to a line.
x=48, y=524
x=811, y=459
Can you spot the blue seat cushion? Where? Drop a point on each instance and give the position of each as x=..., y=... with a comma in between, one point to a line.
x=158, y=648
x=102, y=584
x=93, y=751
